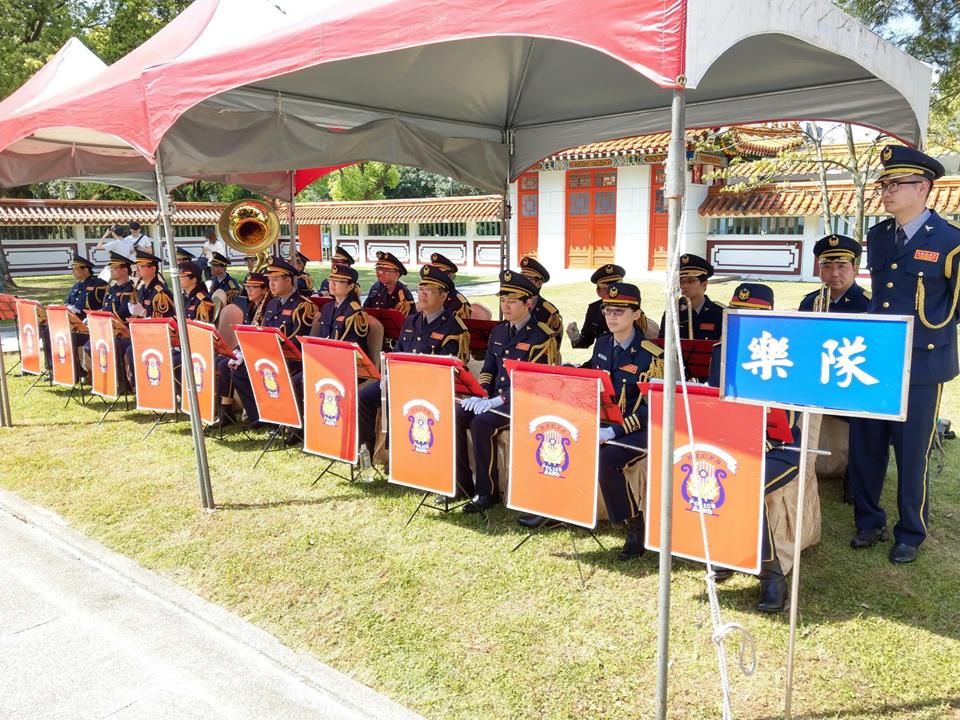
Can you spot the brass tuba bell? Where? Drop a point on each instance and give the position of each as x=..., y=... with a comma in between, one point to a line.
x=249, y=226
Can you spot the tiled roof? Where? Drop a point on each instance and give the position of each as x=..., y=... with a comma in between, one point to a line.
x=449, y=209
x=804, y=199
x=653, y=144
x=763, y=140
x=15, y=211
x=803, y=163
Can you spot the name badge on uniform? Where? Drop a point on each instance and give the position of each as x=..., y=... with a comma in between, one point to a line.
x=436, y=336
x=708, y=326
x=88, y=288
x=928, y=255
x=629, y=368
x=523, y=346
x=287, y=312
x=340, y=318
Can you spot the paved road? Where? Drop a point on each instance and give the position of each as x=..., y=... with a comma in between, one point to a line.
x=86, y=633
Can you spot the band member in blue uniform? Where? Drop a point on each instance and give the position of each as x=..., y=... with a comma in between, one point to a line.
x=543, y=310
x=913, y=259
x=288, y=310
x=183, y=255
x=520, y=336
x=781, y=466
x=116, y=301
x=838, y=261
x=86, y=294
x=340, y=257
x=594, y=324
x=304, y=279
x=388, y=291
x=221, y=279
x=196, y=300
x=698, y=317
x=153, y=300
x=457, y=304
x=431, y=330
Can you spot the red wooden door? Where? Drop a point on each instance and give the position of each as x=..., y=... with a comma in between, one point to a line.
x=658, y=219
x=591, y=225
x=528, y=191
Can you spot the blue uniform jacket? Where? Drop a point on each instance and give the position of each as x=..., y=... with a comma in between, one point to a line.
x=197, y=305
x=229, y=286
x=639, y=361
x=594, y=325
x=345, y=321
x=379, y=297
x=117, y=298
x=546, y=313
x=156, y=299
x=534, y=342
x=87, y=295
x=707, y=324
x=921, y=280
x=446, y=335
x=457, y=305
x=854, y=300
x=293, y=316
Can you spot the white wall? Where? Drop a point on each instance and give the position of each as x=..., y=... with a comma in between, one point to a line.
x=633, y=218
x=552, y=241
x=695, y=226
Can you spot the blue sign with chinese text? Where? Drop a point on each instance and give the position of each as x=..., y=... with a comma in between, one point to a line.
x=840, y=364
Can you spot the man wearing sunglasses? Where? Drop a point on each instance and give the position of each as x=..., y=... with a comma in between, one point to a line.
x=914, y=260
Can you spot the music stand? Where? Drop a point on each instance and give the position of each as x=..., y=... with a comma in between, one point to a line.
x=220, y=349
x=366, y=370
x=392, y=321
x=173, y=330
x=696, y=357
x=479, y=335
x=320, y=300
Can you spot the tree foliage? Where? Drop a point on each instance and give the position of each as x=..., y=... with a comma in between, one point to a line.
x=364, y=181
x=930, y=31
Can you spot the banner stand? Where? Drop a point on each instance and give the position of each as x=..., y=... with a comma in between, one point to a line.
x=445, y=508
x=354, y=475
x=573, y=542
x=112, y=406
x=276, y=433
x=175, y=419
x=45, y=374
x=82, y=400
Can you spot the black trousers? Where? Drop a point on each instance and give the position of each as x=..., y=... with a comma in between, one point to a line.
x=617, y=495
x=483, y=429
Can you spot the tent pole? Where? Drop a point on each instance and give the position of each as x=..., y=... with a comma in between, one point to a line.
x=199, y=447
x=292, y=217
x=676, y=184
x=505, y=230
x=6, y=419
x=795, y=579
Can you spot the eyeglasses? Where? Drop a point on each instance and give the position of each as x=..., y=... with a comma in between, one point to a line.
x=613, y=312
x=426, y=290
x=893, y=187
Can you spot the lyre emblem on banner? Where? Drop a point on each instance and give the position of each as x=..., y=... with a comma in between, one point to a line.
x=702, y=486
x=28, y=339
x=61, y=342
x=268, y=375
x=103, y=351
x=152, y=359
x=423, y=416
x=554, y=435
x=330, y=392
x=199, y=367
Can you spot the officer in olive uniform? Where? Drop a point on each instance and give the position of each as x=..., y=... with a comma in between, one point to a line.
x=543, y=310
x=519, y=336
x=153, y=301
x=431, y=330
x=457, y=304
x=781, y=466
x=86, y=294
x=304, y=279
x=913, y=259
x=340, y=257
x=388, y=291
x=118, y=297
x=698, y=317
x=288, y=310
x=838, y=261
x=220, y=279
x=594, y=324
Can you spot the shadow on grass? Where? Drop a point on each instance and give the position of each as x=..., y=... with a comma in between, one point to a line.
x=951, y=704
x=283, y=503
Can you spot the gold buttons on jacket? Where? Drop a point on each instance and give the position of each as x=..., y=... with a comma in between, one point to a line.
x=889, y=285
x=886, y=304
x=930, y=346
x=893, y=266
x=920, y=274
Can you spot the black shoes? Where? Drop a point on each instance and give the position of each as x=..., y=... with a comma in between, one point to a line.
x=537, y=521
x=479, y=504
x=868, y=538
x=633, y=547
x=901, y=553
x=292, y=437
x=721, y=574
x=773, y=594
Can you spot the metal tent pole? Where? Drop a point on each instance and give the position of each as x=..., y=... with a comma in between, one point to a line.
x=6, y=419
x=676, y=183
x=292, y=217
x=505, y=229
x=199, y=446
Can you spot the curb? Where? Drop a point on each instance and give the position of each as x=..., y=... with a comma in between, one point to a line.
x=357, y=700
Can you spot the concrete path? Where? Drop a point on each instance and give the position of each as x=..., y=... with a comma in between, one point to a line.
x=87, y=633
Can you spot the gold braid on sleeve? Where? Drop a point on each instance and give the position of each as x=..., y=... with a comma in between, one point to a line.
x=922, y=295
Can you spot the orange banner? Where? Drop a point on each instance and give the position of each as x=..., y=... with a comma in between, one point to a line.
x=201, y=337
x=153, y=365
x=422, y=425
x=64, y=368
x=103, y=354
x=269, y=377
x=554, y=451
x=725, y=480
x=28, y=327
x=329, y=400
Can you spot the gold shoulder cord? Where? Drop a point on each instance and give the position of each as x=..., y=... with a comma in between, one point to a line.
x=161, y=304
x=922, y=296
x=358, y=322
x=403, y=305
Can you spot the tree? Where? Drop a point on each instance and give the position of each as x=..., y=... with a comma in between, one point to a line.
x=930, y=31
x=364, y=181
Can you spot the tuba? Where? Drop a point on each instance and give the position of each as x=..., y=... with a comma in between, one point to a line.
x=250, y=226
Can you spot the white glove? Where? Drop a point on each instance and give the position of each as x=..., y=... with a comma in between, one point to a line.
x=136, y=309
x=469, y=403
x=486, y=404
x=607, y=434
x=237, y=359
x=72, y=309
x=573, y=332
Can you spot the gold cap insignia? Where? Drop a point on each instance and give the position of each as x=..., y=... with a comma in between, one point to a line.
x=525, y=262
x=507, y=276
x=744, y=294
x=887, y=153
x=613, y=292
x=426, y=269
x=685, y=259
x=608, y=268
x=833, y=241
x=381, y=254
x=433, y=258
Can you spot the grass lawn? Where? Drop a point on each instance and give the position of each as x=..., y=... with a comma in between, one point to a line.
x=442, y=617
